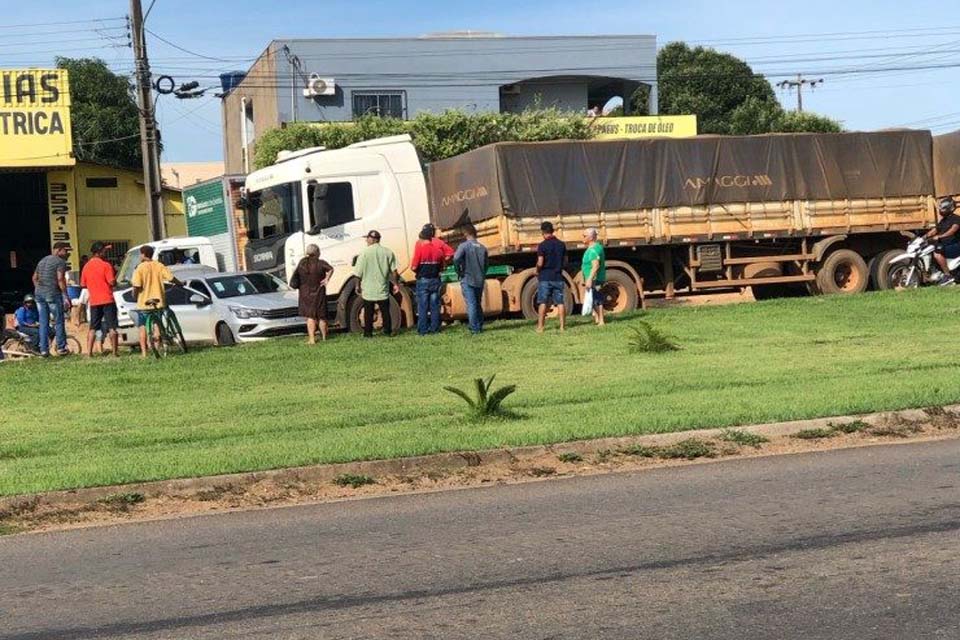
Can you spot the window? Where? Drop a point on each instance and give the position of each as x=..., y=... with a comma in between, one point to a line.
x=118, y=249
x=199, y=286
x=386, y=104
x=331, y=204
x=274, y=211
x=246, y=285
x=248, y=123
x=101, y=183
x=171, y=257
x=178, y=296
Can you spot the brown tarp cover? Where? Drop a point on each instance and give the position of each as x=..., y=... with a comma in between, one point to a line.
x=520, y=179
x=946, y=164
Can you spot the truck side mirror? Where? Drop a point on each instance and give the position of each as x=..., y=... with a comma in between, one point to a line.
x=318, y=207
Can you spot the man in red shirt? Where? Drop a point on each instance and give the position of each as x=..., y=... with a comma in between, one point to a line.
x=427, y=263
x=431, y=233
x=99, y=279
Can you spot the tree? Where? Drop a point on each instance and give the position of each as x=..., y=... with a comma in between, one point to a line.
x=725, y=94
x=105, y=116
x=436, y=135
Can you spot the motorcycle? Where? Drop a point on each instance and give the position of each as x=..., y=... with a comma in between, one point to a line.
x=916, y=267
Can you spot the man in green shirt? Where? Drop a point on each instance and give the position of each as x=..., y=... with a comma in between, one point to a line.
x=594, y=272
x=377, y=269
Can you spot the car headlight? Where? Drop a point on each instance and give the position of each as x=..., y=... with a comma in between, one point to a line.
x=244, y=313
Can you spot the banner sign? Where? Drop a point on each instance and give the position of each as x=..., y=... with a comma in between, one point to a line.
x=206, y=209
x=644, y=127
x=35, y=118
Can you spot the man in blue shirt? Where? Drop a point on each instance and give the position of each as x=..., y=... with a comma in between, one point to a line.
x=28, y=321
x=551, y=259
x=471, y=261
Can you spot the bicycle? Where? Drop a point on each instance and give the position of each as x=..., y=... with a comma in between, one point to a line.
x=163, y=329
x=20, y=345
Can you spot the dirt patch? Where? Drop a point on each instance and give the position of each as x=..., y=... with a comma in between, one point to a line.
x=450, y=471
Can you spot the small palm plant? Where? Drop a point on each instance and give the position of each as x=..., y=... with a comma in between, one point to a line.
x=486, y=404
x=649, y=339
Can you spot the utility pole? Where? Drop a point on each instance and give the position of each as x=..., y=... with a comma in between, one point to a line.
x=148, y=125
x=798, y=85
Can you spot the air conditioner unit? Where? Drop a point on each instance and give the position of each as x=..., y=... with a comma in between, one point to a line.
x=317, y=86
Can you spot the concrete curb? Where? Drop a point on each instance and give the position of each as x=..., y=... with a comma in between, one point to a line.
x=438, y=462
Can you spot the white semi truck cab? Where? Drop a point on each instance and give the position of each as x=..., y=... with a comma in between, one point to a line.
x=333, y=198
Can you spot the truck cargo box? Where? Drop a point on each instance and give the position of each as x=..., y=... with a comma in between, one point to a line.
x=946, y=164
x=674, y=190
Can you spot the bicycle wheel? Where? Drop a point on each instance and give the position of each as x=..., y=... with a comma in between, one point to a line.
x=173, y=331
x=158, y=345
x=74, y=346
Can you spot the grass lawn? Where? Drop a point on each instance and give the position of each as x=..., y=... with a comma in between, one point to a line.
x=78, y=423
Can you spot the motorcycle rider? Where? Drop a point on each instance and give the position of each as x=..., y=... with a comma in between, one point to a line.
x=947, y=237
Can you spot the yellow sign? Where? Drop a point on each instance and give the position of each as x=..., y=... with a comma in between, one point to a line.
x=63, y=211
x=644, y=127
x=35, y=118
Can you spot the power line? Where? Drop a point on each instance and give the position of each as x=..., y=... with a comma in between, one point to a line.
x=55, y=24
x=176, y=46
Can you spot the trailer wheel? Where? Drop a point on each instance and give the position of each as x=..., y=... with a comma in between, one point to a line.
x=225, y=336
x=528, y=300
x=356, y=315
x=843, y=271
x=880, y=271
x=619, y=292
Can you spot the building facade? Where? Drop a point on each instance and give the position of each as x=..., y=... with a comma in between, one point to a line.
x=80, y=204
x=333, y=80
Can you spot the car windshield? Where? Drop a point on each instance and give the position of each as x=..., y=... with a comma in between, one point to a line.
x=130, y=262
x=245, y=285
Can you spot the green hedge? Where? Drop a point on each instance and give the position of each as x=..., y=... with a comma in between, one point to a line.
x=436, y=136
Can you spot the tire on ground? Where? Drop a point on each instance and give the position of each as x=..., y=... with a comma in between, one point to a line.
x=843, y=271
x=619, y=292
x=528, y=300
x=880, y=270
x=355, y=315
x=225, y=336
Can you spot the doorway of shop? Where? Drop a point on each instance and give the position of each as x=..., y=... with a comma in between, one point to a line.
x=24, y=232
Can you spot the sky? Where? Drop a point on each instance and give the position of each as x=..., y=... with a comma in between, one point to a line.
x=867, y=52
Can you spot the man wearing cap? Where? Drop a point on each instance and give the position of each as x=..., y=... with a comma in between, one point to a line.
x=28, y=321
x=99, y=279
x=377, y=269
x=50, y=289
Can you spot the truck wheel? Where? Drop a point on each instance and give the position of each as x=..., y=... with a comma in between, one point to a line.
x=843, y=271
x=225, y=336
x=619, y=292
x=528, y=300
x=880, y=271
x=356, y=315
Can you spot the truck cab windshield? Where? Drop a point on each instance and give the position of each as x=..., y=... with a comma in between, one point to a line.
x=274, y=211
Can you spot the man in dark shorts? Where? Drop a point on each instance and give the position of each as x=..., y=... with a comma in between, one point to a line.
x=945, y=233
x=551, y=258
x=99, y=279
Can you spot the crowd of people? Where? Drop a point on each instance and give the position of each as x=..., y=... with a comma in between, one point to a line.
x=376, y=270
x=378, y=279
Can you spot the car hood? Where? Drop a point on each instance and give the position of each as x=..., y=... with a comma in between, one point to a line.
x=278, y=300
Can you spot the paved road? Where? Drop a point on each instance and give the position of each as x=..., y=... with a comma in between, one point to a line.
x=851, y=544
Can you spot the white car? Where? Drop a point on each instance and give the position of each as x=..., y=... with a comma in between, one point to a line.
x=222, y=308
